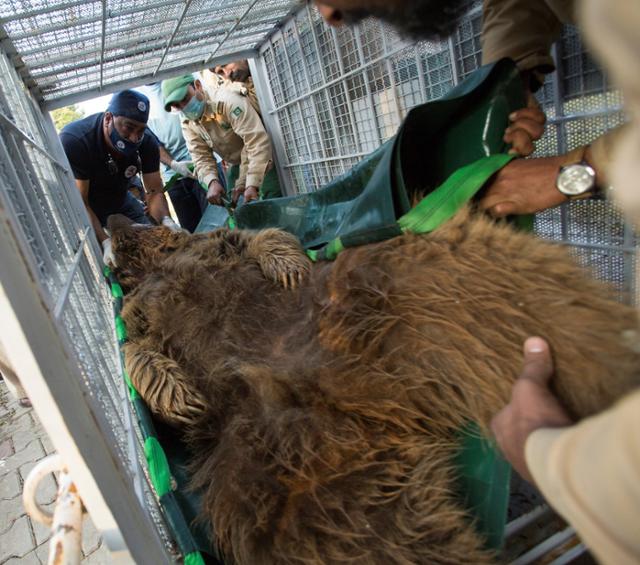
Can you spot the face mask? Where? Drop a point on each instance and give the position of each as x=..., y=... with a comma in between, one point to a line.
x=122, y=145
x=194, y=108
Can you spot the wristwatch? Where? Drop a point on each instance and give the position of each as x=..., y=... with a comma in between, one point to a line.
x=577, y=180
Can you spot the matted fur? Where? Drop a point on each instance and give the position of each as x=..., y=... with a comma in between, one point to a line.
x=322, y=418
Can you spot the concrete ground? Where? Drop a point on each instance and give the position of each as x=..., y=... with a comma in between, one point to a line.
x=23, y=442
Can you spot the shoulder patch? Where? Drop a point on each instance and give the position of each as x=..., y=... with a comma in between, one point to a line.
x=236, y=111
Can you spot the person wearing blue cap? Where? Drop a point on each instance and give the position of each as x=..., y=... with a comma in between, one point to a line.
x=105, y=151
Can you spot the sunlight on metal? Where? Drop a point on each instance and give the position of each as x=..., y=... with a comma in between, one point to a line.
x=63, y=50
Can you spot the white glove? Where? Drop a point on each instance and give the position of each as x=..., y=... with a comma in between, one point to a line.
x=108, y=258
x=182, y=167
x=168, y=222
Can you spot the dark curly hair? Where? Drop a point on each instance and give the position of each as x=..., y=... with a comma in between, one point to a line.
x=415, y=19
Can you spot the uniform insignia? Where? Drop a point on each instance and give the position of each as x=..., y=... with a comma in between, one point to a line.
x=237, y=111
x=130, y=171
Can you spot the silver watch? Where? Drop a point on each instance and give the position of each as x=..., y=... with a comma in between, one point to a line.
x=577, y=180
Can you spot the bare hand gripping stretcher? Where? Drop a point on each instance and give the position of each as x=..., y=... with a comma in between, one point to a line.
x=446, y=149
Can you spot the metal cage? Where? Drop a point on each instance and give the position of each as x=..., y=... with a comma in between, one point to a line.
x=329, y=97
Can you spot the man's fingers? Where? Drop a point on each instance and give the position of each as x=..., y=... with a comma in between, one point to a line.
x=521, y=143
x=538, y=363
x=502, y=209
x=533, y=113
x=531, y=127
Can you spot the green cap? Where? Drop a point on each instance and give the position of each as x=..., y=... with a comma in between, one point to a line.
x=175, y=89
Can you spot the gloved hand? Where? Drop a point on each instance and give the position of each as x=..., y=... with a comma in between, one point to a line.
x=108, y=258
x=168, y=222
x=182, y=167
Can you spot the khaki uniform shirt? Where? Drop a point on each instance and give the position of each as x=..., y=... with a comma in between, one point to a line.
x=213, y=82
x=524, y=30
x=233, y=129
x=590, y=473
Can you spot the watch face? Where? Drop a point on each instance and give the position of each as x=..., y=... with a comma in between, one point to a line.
x=576, y=179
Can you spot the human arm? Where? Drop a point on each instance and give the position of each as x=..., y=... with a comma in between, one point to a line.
x=158, y=207
x=526, y=186
x=590, y=471
x=250, y=192
x=83, y=188
x=246, y=123
x=205, y=162
x=105, y=241
x=525, y=32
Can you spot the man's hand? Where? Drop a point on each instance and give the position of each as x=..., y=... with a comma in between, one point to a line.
x=524, y=186
x=168, y=222
x=215, y=193
x=238, y=191
x=108, y=258
x=532, y=406
x=527, y=126
x=251, y=193
x=182, y=167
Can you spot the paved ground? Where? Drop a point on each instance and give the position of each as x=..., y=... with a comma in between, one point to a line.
x=23, y=443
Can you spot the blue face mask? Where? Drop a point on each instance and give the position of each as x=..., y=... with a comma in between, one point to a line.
x=122, y=145
x=193, y=109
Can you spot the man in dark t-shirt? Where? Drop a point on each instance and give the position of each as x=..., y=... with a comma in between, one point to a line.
x=105, y=151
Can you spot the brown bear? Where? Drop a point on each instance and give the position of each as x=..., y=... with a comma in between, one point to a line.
x=321, y=403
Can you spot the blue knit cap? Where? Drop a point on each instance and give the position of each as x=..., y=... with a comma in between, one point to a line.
x=130, y=104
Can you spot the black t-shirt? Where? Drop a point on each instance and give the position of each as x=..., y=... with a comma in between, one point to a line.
x=109, y=178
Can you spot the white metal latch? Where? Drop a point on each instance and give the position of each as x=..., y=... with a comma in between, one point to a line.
x=65, y=545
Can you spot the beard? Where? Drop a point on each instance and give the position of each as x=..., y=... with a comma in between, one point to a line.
x=415, y=19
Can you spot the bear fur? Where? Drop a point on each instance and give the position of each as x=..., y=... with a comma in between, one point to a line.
x=322, y=402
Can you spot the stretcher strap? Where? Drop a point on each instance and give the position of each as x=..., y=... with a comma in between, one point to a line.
x=433, y=210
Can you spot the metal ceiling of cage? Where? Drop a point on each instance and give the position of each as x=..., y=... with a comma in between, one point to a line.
x=78, y=49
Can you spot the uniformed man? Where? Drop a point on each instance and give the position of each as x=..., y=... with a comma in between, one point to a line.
x=225, y=122
x=236, y=76
x=189, y=199
x=105, y=151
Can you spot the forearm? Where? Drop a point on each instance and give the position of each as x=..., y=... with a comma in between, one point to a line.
x=97, y=227
x=158, y=207
x=590, y=473
x=244, y=167
x=521, y=30
x=202, y=155
x=259, y=158
x=165, y=157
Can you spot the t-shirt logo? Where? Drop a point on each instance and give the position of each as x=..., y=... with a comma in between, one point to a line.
x=237, y=111
x=142, y=106
x=120, y=144
x=130, y=171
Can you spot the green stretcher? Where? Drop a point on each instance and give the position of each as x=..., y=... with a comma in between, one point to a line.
x=446, y=149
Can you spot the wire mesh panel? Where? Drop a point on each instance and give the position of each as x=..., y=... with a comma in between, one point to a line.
x=54, y=237
x=66, y=49
x=362, y=81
